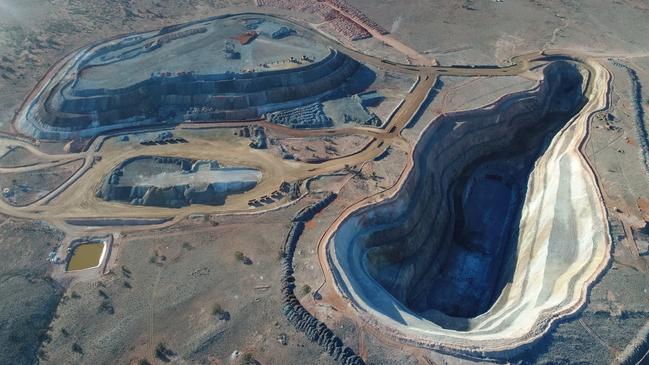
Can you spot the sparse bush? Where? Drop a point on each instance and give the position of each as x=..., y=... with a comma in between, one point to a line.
x=163, y=353
x=187, y=246
x=77, y=348
x=248, y=359
x=45, y=337
x=106, y=306
x=144, y=362
x=75, y=295
x=217, y=310
x=239, y=255
x=42, y=354
x=283, y=339
x=127, y=285
x=159, y=352
x=305, y=289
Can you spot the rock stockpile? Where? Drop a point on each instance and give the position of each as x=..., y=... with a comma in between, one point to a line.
x=309, y=116
x=309, y=212
x=299, y=317
x=346, y=20
x=638, y=113
x=357, y=15
x=182, y=34
x=258, y=139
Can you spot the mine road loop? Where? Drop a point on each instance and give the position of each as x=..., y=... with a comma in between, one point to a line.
x=75, y=198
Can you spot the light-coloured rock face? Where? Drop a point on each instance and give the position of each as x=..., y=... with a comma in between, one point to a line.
x=413, y=264
x=175, y=182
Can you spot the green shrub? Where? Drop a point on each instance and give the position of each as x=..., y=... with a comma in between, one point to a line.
x=217, y=310
x=305, y=289
x=248, y=359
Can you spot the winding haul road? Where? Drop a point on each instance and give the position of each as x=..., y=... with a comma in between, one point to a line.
x=76, y=197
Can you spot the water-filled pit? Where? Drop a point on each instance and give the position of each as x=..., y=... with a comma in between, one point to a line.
x=86, y=256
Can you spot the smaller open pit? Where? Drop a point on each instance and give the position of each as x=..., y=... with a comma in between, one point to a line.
x=175, y=182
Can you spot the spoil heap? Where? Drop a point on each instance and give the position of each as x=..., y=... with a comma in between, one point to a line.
x=299, y=317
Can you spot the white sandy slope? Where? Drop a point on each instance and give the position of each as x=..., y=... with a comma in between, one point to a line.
x=563, y=246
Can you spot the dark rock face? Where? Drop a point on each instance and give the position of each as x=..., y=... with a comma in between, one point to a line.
x=446, y=249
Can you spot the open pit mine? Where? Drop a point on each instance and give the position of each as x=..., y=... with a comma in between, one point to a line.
x=175, y=182
x=226, y=69
x=251, y=173
x=496, y=231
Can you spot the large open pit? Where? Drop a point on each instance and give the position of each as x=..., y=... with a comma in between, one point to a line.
x=482, y=245
x=175, y=182
x=223, y=68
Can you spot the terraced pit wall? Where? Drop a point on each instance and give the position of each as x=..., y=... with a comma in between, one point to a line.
x=388, y=258
x=63, y=112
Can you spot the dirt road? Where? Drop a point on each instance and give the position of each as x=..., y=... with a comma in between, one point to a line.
x=76, y=198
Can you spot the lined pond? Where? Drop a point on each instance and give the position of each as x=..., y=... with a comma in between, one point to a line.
x=85, y=256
